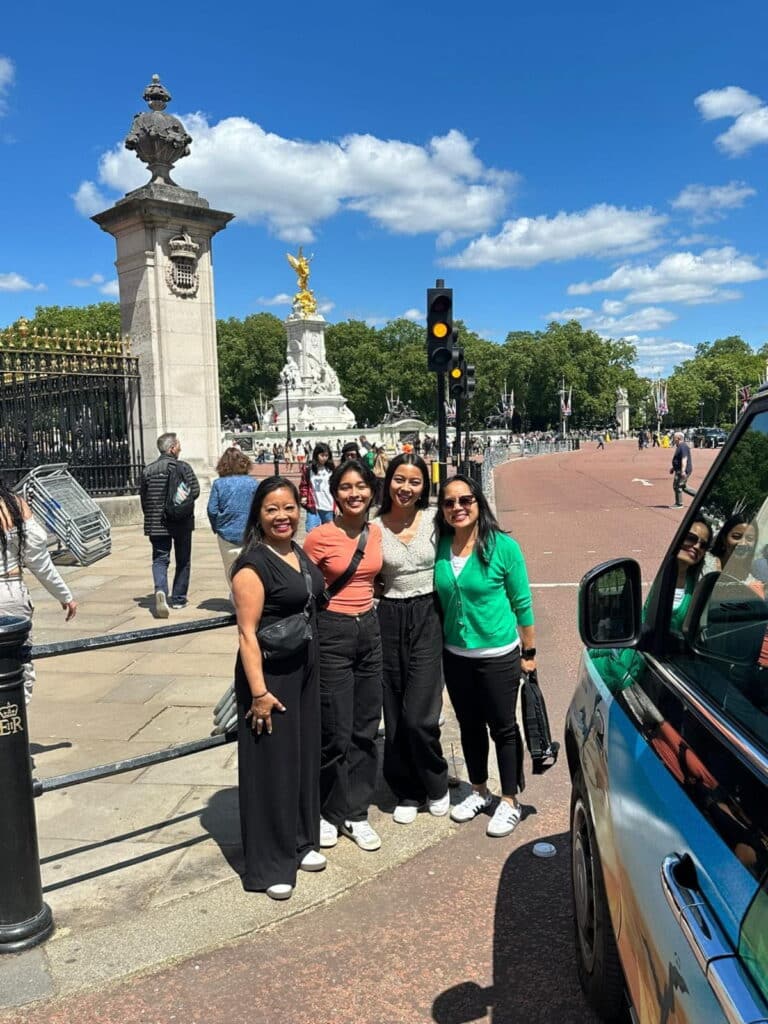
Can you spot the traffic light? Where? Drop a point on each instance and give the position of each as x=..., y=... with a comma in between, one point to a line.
x=457, y=375
x=439, y=327
x=470, y=379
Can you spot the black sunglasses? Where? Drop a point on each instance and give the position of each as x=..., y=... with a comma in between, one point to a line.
x=693, y=540
x=464, y=501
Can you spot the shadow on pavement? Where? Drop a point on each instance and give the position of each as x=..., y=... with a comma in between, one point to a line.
x=534, y=976
x=221, y=820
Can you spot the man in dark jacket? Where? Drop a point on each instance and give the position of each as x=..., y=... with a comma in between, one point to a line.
x=166, y=534
x=682, y=467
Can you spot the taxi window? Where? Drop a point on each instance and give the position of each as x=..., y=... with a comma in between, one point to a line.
x=722, y=611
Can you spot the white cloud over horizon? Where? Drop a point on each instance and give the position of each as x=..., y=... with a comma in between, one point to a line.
x=680, y=277
x=14, y=282
x=87, y=282
x=601, y=230
x=749, y=113
x=7, y=77
x=649, y=318
x=708, y=203
x=284, y=299
x=111, y=288
x=292, y=186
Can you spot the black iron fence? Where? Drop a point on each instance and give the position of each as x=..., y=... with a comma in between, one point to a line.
x=73, y=400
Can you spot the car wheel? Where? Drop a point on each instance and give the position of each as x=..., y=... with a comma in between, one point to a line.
x=597, y=959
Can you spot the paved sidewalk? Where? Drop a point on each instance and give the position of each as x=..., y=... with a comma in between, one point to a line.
x=142, y=868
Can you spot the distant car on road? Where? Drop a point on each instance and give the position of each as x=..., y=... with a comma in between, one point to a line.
x=709, y=437
x=667, y=744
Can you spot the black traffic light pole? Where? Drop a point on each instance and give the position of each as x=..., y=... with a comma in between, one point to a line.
x=24, y=919
x=442, y=428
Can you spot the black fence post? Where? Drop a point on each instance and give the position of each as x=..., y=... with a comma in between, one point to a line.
x=24, y=919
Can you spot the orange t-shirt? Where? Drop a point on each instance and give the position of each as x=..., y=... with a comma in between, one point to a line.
x=331, y=550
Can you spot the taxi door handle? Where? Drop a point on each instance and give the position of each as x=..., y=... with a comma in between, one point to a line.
x=739, y=1001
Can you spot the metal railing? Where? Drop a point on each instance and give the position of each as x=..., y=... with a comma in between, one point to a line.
x=25, y=920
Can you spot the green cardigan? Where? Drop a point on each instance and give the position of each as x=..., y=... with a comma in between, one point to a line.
x=485, y=604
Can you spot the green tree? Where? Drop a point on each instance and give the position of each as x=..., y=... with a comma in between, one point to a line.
x=101, y=318
x=251, y=353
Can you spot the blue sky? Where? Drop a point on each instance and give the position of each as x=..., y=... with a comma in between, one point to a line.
x=601, y=161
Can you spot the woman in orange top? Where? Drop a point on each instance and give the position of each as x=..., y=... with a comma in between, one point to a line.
x=350, y=661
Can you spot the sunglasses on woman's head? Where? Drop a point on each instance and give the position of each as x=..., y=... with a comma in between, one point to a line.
x=693, y=540
x=464, y=501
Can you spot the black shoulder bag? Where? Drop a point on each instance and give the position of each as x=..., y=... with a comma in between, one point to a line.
x=340, y=582
x=543, y=749
x=289, y=636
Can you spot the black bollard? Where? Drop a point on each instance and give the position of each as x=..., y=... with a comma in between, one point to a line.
x=277, y=466
x=24, y=919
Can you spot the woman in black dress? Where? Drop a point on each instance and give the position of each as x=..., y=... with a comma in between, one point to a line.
x=278, y=700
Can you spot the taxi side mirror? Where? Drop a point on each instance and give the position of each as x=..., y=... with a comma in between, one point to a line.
x=610, y=604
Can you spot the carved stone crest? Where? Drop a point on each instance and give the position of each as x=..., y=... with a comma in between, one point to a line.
x=181, y=269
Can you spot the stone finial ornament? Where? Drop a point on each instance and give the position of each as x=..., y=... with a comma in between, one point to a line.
x=159, y=139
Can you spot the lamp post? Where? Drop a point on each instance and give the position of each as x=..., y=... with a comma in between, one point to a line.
x=701, y=412
x=287, y=382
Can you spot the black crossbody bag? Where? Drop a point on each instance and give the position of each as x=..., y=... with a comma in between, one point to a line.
x=288, y=636
x=338, y=584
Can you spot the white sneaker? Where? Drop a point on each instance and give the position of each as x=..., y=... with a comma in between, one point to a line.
x=329, y=834
x=161, y=605
x=405, y=814
x=313, y=861
x=505, y=819
x=471, y=806
x=360, y=832
x=439, y=807
x=280, y=892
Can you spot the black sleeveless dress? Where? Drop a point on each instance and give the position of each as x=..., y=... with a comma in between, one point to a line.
x=279, y=774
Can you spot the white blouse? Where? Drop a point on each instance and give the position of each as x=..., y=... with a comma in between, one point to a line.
x=36, y=559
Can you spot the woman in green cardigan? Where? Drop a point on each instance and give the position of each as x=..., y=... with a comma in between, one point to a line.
x=482, y=584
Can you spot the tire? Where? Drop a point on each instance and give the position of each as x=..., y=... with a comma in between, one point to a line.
x=597, y=958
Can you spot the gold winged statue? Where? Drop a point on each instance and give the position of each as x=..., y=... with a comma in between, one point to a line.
x=304, y=297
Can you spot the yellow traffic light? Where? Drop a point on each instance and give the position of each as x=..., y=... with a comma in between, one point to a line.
x=440, y=330
x=456, y=373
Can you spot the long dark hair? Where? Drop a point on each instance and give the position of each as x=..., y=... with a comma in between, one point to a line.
x=718, y=548
x=487, y=524
x=254, y=535
x=319, y=449
x=406, y=459
x=15, y=514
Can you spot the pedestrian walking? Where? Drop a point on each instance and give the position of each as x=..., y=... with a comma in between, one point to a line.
x=681, y=468
x=229, y=504
x=482, y=583
x=166, y=533
x=24, y=545
x=315, y=489
x=348, y=553
x=412, y=643
x=278, y=698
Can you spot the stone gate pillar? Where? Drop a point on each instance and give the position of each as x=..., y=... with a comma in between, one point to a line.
x=165, y=275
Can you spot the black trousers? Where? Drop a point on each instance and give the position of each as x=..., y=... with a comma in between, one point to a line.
x=350, y=711
x=279, y=774
x=412, y=643
x=483, y=692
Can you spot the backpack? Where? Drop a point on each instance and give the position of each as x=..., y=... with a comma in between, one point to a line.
x=178, y=503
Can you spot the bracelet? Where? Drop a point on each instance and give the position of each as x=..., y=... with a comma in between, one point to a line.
x=528, y=653
x=258, y=696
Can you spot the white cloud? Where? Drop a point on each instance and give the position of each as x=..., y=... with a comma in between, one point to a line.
x=680, y=277
x=111, y=288
x=649, y=318
x=656, y=348
x=292, y=186
x=707, y=203
x=89, y=199
x=325, y=307
x=413, y=314
x=601, y=230
x=750, y=114
x=732, y=101
x=281, y=299
x=7, y=76
x=16, y=283
x=613, y=306
x=87, y=282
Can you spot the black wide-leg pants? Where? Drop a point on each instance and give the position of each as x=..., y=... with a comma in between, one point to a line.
x=412, y=644
x=279, y=774
x=483, y=692
x=350, y=711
